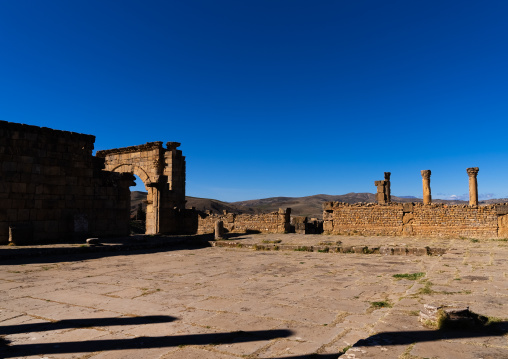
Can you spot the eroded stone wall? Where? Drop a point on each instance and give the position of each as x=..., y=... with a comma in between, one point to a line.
x=275, y=222
x=367, y=219
x=435, y=220
x=52, y=188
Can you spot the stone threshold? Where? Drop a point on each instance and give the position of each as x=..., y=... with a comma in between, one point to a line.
x=357, y=249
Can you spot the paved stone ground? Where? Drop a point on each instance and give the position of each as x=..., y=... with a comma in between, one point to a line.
x=240, y=303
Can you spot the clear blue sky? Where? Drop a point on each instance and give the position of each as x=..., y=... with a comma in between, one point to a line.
x=273, y=97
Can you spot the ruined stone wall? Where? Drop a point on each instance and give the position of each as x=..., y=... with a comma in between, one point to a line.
x=454, y=221
x=52, y=188
x=367, y=219
x=435, y=220
x=275, y=222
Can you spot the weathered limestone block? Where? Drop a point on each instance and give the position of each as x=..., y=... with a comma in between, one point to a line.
x=381, y=196
x=327, y=226
x=21, y=234
x=93, y=241
x=501, y=209
x=407, y=230
x=503, y=226
x=407, y=218
x=407, y=207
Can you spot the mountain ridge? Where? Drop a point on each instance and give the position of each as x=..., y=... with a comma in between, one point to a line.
x=309, y=206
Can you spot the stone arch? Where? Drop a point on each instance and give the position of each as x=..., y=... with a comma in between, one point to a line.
x=162, y=171
x=134, y=169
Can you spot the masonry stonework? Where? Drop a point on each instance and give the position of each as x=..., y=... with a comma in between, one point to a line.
x=416, y=219
x=162, y=170
x=275, y=222
x=53, y=189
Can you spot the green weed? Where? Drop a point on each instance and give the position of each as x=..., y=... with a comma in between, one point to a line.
x=409, y=276
x=427, y=289
x=274, y=241
x=304, y=249
x=381, y=304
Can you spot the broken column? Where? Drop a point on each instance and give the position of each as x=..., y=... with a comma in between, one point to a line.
x=381, y=191
x=427, y=198
x=219, y=230
x=472, y=172
x=387, y=187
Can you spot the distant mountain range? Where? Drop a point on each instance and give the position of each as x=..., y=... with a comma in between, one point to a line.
x=310, y=206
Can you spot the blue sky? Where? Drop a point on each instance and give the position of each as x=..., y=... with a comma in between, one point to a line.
x=273, y=98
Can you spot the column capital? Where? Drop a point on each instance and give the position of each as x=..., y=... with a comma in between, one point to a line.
x=472, y=171
x=426, y=174
x=387, y=176
x=172, y=145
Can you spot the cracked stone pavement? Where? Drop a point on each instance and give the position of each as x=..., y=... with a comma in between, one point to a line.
x=240, y=303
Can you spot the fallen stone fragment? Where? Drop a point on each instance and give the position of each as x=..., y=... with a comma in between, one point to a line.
x=93, y=241
x=448, y=317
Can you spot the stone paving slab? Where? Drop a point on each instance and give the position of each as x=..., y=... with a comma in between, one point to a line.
x=212, y=302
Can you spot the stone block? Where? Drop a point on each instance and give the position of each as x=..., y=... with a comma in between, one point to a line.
x=501, y=209
x=401, y=251
x=21, y=234
x=407, y=207
x=408, y=217
x=359, y=249
x=93, y=241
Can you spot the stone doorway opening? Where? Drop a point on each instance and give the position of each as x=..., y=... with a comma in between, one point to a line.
x=162, y=171
x=139, y=201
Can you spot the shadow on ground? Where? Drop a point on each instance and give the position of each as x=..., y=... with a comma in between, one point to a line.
x=84, y=323
x=311, y=356
x=20, y=350
x=496, y=329
x=65, y=252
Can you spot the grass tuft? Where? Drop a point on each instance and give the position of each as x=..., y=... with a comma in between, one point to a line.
x=409, y=276
x=381, y=304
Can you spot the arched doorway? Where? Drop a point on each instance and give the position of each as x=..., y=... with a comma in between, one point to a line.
x=138, y=207
x=162, y=171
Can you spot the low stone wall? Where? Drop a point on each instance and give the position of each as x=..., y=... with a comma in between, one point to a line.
x=52, y=188
x=435, y=220
x=454, y=221
x=368, y=219
x=275, y=222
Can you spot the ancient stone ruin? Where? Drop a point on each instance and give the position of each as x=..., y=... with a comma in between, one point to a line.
x=473, y=186
x=434, y=220
x=383, y=194
x=417, y=219
x=162, y=171
x=274, y=222
x=427, y=197
x=52, y=188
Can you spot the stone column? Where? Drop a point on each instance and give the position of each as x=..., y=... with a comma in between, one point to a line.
x=427, y=198
x=387, y=187
x=472, y=172
x=381, y=191
x=219, y=229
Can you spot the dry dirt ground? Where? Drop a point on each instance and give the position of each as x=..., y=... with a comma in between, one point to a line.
x=241, y=303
